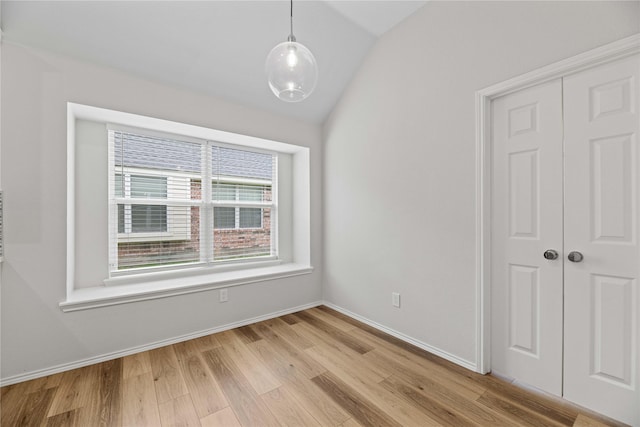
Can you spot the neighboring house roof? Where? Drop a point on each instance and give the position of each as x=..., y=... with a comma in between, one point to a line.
x=142, y=151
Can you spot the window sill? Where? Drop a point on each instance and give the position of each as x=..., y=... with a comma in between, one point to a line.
x=104, y=296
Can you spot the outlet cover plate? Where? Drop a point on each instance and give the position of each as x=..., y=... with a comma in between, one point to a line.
x=395, y=299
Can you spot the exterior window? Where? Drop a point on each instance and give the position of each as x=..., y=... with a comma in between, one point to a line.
x=239, y=217
x=161, y=217
x=141, y=218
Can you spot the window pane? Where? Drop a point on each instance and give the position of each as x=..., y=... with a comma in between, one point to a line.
x=134, y=253
x=120, y=218
x=119, y=186
x=148, y=218
x=252, y=193
x=224, y=217
x=240, y=163
x=244, y=242
x=223, y=191
x=250, y=218
x=149, y=152
x=149, y=187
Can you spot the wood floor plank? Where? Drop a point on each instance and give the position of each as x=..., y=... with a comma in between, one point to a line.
x=351, y=423
x=341, y=316
x=65, y=419
x=205, y=391
x=318, y=404
x=285, y=330
x=338, y=334
x=136, y=364
x=36, y=407
x=558, y=410
x=587, y=421
x=551, y=408
x=103, y=406
x=286, y=409
x=290, y=319
x=167, y=375
x=305, y=364
x=223, y=418
x=433, y=407
x=139, y=404
x=4, y=390
x=322, y=339
x=244, y=401
x=515, y=412
x=367, y=385
x=247, y=334
x=260, y=378
x=464, y=385
x=337, y=362
x=207, y=342
x=330, y=319
x=178, y=412
x=448, y=397
x=74, y=390
x=39, y=384
x=352, y=402
x=13, y=398
x=277, y=364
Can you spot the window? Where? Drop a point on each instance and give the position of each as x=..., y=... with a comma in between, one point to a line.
x=162, y=216
x=141, y=218
x=107, y=148
x=231, y=218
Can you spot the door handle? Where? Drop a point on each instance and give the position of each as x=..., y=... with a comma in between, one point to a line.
x=550, y=254
x=575, y=256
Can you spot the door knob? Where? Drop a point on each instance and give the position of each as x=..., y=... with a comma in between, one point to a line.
x=550, y=254
x=575, y=256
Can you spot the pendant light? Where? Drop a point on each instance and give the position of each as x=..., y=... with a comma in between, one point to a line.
x=291, y=69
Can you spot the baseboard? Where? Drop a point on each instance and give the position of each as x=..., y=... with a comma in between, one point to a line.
x=117, y=354
x=431, y=349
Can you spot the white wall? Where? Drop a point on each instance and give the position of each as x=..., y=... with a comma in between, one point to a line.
x=35, y=334
x=399, y=156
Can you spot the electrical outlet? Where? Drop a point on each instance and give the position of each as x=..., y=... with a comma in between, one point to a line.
x=224, y=295
x=395, y=299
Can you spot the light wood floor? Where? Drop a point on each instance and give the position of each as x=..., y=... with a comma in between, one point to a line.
x=313, y=368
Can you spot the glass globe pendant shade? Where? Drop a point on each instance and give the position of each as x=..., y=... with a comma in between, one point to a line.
x=292, y=71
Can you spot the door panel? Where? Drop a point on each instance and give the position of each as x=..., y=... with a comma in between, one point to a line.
x=611, y=189
x=601, y=124
x=526, y=295
x=523, y=194
x=523, y=309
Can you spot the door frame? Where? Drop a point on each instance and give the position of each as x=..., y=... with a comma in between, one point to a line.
x=601, y=55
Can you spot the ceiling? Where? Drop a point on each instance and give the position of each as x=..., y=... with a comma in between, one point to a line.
x=212, y=47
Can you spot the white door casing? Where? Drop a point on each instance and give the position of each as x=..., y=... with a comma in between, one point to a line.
x=526, y=221
x=601, y=125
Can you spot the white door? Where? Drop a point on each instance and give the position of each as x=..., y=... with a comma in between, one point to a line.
x=526, y=293
x=565, y=177
x=602, y=192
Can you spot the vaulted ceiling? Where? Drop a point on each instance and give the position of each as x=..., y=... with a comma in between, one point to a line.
x=213, y=47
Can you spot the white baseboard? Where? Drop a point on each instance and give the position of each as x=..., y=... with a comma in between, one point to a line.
x=117, y=354
x=431, y=349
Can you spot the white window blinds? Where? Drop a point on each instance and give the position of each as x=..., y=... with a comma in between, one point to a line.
x=163, y=217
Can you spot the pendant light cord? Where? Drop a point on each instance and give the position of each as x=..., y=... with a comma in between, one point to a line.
x=291, y=17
